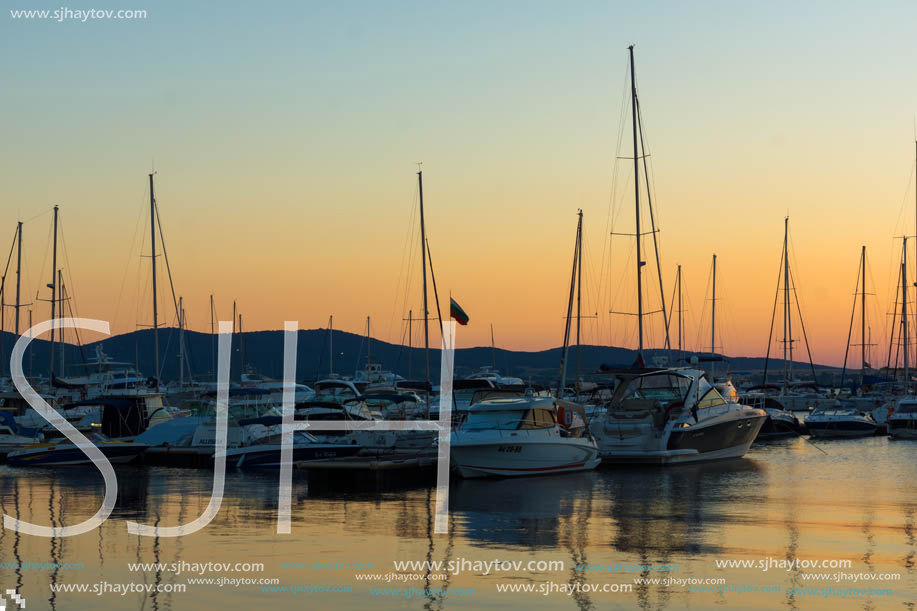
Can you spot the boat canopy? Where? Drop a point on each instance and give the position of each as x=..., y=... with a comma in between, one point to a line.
x=6, y=419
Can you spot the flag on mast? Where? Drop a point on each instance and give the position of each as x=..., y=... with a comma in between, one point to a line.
x=456, y=312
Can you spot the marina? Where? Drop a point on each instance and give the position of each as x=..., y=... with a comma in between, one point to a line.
x=434, y=306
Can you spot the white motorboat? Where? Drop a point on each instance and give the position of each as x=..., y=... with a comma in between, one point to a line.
x=780, y=422
x=521, y=436
x=902, y=423
x=840, y=421
x=673, y=415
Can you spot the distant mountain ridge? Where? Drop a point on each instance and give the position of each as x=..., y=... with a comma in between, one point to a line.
x=263, y=351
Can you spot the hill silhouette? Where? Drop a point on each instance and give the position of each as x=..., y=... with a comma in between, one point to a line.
x=263, y=352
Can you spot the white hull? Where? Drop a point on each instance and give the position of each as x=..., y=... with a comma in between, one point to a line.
x=672, y=457
x=513, y=458
x=840, y=433
x=726, y=435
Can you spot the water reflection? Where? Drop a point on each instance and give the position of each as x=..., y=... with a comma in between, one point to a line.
x=785, y=501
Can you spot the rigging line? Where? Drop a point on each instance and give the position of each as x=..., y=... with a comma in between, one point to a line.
x=649, y=202
x=39, y=215
x=699, y=342
x=802, y=324
x=439, y=313
x=165, y=254
x=71, y=297
x=76, y=331
x=127, y=265
x=850, y=328
x=873, y=311
x=406, y=256
x=905, y=200
x=12, y=248
x=891, y=339
x=44, y=260
x=672, y=302
x=609, y=215
x=770, y=335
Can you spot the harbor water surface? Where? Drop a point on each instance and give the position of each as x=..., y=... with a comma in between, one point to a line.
x=850, y=500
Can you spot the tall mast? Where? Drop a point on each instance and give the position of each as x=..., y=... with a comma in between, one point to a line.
x=31, y=352
x=241, y=348
x=633, y=108
x=153, y=258
x=423, y=254
x=213, y=349
x=713, y=321
x=493, y=348
x=181, y=342
x=562, y=376
x=579, y=294
x=787, y=328
x=681, y=350
x=60, y=310
x=18, y=271
x=53, y=286
x=904, y=331
x=863, y=309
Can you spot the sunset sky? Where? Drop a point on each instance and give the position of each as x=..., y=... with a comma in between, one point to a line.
x=285, y=140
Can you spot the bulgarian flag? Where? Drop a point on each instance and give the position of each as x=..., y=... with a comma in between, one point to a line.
x=456, y=312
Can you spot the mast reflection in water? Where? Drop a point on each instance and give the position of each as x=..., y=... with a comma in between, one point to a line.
x=850, y=500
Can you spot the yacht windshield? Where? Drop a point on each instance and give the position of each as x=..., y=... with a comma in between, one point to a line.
x=664, y=388
x=493, y=420
x=711, y=398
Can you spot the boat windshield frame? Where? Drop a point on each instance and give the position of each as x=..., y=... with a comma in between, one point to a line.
x=624, y=390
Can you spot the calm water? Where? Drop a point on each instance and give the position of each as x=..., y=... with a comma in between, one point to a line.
x=853, y=500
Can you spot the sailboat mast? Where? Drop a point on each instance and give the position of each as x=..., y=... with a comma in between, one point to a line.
x=213, y=349
x=493, y=348
x=153, y=259
x=181, y=343
x=579, y=293
x=713, y=321
x=681, y=350
x=787, y=325
x=242, y=359
x=633, y=108
x=904, y=331
x=426, y=316
x=863, y=308
x=53, y=286
x=331, y=345
x=562, y=376
x=18, y=271
x=60, y=310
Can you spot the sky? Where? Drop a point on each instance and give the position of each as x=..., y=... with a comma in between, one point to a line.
x=285, y=139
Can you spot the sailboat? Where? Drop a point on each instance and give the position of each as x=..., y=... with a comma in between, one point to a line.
x=902, y=422
x=779, y=423
x=671, y=414
x=791, y=394
x=134, y=402
x=846, y=419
